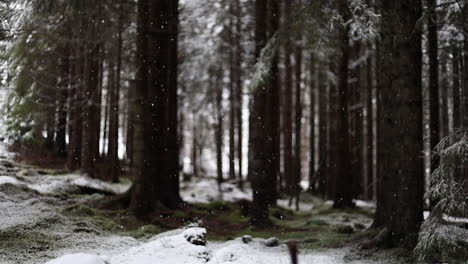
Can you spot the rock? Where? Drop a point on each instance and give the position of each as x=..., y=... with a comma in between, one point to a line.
x=344, y=229
x=247, y=239
x=272, y=242
x=196, y=236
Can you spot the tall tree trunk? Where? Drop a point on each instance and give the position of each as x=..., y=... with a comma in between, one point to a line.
x=288, y=105
x=218, y=74
x=324, y=130
x=298, y=124
x=401, y=182
x=63, y=84
x=464, y=104
x=90, y=110
x=343, y=196
x=156, y=150
x=113, y=150
x=313, y=89
x=232, y=115
x=75, y=104
x=443, y=102
x=263, y=162
x=130, y=120
x=433, y=80
x=457, y=122
x=238, y=86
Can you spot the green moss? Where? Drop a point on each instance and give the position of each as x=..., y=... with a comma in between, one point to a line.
x=79, y=210
x=180, y=214
x=106, y=224
x=281, y=213
x=316, y=222
x=26, y=240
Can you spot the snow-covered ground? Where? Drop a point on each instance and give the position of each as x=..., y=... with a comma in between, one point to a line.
x=34, y=228
x=174, y=247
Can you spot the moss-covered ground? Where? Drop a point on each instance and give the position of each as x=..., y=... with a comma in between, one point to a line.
x=224, y=221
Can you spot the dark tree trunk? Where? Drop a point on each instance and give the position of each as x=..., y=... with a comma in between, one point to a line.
x=456, y=88
x=63, y=85
x=156, y=150
x=464, y=101
x=333, y=133
x=324, y=130
x=219, y=126
x=343, y=196
x=75, y=104
x=298, y=125
x=288, y=105
x=232, y=111
x=90, y=110
x=312, y=96
x=433, y=80
x=401, y=182
x=444, y=90
x=113, y=145
x=238, y=86
x=264, y=129
x=130, y=120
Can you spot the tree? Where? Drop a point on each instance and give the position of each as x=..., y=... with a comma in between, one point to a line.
x=288, y=165
x=433, y=77
x=263, y=140
x=91, y=96
x=343, y=196
x=156, y=151
x=401, y=177
x=114, y=98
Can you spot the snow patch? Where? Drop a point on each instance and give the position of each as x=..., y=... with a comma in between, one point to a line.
x=174, y=248
x=79, y=258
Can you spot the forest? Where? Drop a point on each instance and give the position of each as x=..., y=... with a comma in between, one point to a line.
x=233, y=131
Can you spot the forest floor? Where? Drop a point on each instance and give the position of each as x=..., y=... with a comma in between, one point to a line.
x=47, y=214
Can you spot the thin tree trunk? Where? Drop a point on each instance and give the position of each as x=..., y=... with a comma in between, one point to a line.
x=288, y=105
x=298, y=125
x=433, y=80
x=456, y=88
x=113, y=150
x=63, y=84
x=232, y=116
x=443, y=91
x=312, y=95
x=75, y=104
x=343, y=197
x=239, y=88
x=219, y=127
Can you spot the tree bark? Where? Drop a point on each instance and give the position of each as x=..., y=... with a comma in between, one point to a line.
x=113, y=147
x=433, y=80
x=298, y=124
x=288, y=165
x=401, y=182
x=63, y=84
x=75, y=104
x=343, y=196
x=263, y=162
x=238, y=88
x=312, y=96
x=156, y=150
x=457, y=122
